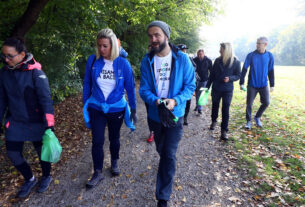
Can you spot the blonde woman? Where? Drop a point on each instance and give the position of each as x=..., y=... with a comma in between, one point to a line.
x=226, y=70
x=107, y=77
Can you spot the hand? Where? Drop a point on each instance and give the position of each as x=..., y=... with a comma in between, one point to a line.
x=242, y=87
x=158, y=102
x=133, y=116
x=271, y=89
x=226, y=79
x=170, y=103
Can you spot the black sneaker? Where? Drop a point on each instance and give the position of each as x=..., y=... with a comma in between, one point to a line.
x=115, y=171
x=96, y=178
x=213, y=125
x=45, y=183
x=26, y=188
x=224, y=135
x=162, y=203
x=199, y=112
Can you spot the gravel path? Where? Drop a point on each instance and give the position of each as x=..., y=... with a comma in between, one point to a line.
x=205, y=175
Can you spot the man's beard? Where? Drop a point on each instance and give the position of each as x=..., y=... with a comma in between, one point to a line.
x=160, y=48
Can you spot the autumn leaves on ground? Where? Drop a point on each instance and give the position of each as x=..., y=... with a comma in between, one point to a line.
x=272, y=158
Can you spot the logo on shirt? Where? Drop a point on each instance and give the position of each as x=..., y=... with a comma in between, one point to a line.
x=107, y=74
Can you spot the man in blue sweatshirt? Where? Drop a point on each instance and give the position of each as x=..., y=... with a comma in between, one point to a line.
x=167, y=75
x=261, y=64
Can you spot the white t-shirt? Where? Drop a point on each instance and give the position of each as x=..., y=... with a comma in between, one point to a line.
x=162, y=68
x=106, y=79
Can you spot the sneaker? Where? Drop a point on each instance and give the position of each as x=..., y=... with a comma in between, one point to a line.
x=248, y=125
x=224, y=135
x=199, y=112
x=96, y=178
x=151, y=137
x=45, y=183
x=162, y=203
x=26, y=188
x=185, y=123
x=115, y=171
x=213, y=125
x=258, y=122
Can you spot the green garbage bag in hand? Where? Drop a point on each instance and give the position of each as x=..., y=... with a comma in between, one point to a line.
x=203, y=98
x=51, y=148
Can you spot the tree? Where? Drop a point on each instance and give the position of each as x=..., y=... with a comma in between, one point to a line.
x=30, y=16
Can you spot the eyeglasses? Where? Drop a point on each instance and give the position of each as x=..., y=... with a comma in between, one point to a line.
x=260, y=43
x=10, y=57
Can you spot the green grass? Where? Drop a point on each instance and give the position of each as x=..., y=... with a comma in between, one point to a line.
x=279, y=146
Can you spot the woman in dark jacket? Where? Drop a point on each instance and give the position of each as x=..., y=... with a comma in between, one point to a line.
x=25, y=101
x=225, y=71
x=107, y=77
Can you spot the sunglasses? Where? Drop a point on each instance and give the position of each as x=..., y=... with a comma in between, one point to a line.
x=10, y=57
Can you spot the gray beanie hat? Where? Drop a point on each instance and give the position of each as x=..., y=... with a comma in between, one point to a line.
x=165, y=28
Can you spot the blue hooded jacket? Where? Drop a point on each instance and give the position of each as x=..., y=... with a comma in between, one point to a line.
x=124, y=81
x=182, y=83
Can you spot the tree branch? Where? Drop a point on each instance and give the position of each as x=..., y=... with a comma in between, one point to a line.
x=29, y=17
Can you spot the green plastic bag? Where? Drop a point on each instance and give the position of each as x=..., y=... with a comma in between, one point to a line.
x=203, y=98
x=51, y=148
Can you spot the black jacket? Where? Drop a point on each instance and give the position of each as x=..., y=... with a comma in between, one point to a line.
x=26, y=96
x=203, y=68
x=220, y=71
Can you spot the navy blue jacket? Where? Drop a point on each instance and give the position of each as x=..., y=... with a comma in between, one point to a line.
x=25, y=101
x=220, y=71
x=203, y=68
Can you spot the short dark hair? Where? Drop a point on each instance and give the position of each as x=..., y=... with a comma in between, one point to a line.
x=17, y=42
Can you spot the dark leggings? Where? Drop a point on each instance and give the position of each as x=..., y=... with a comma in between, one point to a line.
x=14, y=152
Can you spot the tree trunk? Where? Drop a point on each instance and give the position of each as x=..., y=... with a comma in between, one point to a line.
x=29, y=17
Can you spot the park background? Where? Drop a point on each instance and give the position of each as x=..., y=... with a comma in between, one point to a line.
x=61, y=35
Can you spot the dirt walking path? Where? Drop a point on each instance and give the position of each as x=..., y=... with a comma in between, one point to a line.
x=205, y=176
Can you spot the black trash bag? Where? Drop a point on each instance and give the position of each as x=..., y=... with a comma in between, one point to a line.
x=167, y=118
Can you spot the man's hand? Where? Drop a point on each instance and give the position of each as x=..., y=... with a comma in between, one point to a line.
x=157, y=102
x=271, y=89
x=133, y=116
x=170, y=103
x=226, y=79
x=242, y=87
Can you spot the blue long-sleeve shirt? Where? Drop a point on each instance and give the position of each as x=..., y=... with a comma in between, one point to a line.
x=261, y=69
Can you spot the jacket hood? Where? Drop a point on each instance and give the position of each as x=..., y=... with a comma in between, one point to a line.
x=28, y=63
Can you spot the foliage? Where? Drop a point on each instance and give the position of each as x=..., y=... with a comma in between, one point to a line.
x=274, y=156
x=285, y=42
x=64, y=34
x=290, y=50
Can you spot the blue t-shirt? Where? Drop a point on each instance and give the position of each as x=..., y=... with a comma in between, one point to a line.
x=260, y=65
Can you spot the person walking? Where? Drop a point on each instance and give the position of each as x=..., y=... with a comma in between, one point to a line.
x=203, y=68
x=25, y=95
x=226, y=70
x=261, y=64
x=184, y=48
x=167, y=75
x=107, y=77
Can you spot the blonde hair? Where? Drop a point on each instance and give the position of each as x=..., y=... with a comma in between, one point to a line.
x=228, y=57
x=109, y=34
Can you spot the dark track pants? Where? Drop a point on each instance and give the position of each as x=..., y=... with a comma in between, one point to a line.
x=226, y=98
x=166, y=140
x=264, y=98
x=98, y=121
